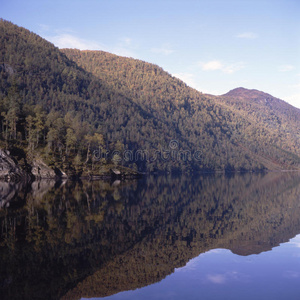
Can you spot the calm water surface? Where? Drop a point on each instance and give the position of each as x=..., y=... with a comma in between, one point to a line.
x=206, y=237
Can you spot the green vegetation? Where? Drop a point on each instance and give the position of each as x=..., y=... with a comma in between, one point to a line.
x=81, y=111
x=275, y=114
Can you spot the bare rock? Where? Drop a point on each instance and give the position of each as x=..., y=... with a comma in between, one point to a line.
x=41, y=170
x=8, y=168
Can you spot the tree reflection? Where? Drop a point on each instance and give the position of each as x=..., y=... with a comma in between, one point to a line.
x=84, y=239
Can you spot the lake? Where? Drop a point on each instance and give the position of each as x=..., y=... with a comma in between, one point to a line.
x=165, y=237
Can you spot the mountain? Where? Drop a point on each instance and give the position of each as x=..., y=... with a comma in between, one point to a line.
x=204, y=115
x=83, y=111
x=260, y=108
x=264, y=108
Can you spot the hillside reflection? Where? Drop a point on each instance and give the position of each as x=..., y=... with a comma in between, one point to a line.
x=82, y=239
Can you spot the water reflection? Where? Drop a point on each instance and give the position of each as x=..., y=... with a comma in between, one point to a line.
x=93, y=239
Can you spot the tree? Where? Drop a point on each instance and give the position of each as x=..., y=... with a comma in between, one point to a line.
x=71, y=140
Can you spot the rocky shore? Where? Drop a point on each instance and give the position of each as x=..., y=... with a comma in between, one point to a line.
x=10, y=170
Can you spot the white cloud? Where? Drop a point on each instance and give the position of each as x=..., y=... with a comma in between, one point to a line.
x=215, y=65
x=66, y=40
x=286, y=68
x=247, y=35
x=190, y=80
x=164, y=49
x=212, y=65
x=232, y=68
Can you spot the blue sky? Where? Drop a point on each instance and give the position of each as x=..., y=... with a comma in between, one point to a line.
x=214, y=46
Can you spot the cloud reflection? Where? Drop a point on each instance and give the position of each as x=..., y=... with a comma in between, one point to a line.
x=217, y=278
x=296, y=241
x=291, y=274
x=221, y=278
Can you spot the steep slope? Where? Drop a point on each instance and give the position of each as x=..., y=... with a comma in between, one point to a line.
x=215, y=127
x=52, y=107
x=81, y=110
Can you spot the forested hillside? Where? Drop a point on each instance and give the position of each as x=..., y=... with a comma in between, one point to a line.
x=209, y=122
x=82, y=110
x=275, y=114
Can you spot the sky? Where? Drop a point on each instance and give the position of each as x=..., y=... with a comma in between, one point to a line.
x=214, y=45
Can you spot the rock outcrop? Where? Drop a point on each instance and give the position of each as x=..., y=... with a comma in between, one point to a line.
x=41, y=170
x=37, y=169
x=9, y=169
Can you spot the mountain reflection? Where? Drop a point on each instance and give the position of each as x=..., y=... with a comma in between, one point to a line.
x=92, y=239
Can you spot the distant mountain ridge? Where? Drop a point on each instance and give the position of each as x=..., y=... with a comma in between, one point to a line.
x=256, y=96
x=259, y=97
x=67, y=106
x=246, y=93
x=266, y=109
